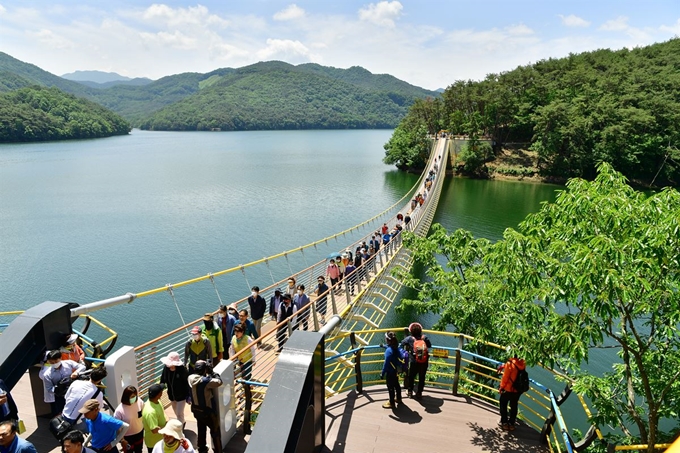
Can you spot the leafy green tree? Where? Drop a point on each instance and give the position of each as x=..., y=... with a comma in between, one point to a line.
x=408, y=148
x=598, y=268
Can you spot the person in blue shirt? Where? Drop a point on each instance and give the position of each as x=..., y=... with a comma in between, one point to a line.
x=250, y=327
x=226, y=318
x=390, y=370
x=10, y=442
x=106, y=431
x=8, y=408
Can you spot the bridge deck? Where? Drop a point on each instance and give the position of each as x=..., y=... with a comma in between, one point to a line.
x=439, y=422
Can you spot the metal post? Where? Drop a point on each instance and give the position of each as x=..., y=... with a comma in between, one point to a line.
x=456, y=376
x=315, y=318
x=333, y=304
x=246, y=410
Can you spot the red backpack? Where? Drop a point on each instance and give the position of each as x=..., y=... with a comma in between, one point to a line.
x=420, y=350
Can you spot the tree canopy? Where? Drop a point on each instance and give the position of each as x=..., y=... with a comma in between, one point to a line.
x=621, y=107
x=597, y=268
x=38, y=113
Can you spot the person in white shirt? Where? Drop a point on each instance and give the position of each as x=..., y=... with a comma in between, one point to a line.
x=56, y=374
x=81, y=391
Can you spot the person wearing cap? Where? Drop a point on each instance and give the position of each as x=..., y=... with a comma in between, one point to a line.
x=290, y=289
x=70, y=349
x=258, y=306
x=213, y=333
x=73, y=442
x=286, y=311
x=390, y=370
x=80, y=391
x=57, y=375
x=204, y=384
x=106, y=431
x=274, y=303
x=173, y=439
x=174, y=376
x=415, y=368
x=321, y=293
x=226, y=318
x=153, y=417
x=10, y=442
x=197, y=348
x=130, y=411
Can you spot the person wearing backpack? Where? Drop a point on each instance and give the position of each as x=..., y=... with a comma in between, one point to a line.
x=391, y=368
x=418, y=346
x=510, y=390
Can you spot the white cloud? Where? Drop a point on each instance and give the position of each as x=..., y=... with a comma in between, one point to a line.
x=283, y=48
x=574, y=21
x=382, y=13
x=2, y=9
x=176, y=40
x=52, y=40
x=618, y=24
x=290, y=13
x=173, y=17
x=519, y=30
x=673, y=29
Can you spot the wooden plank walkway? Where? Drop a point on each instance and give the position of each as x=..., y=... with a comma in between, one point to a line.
x=439, y=422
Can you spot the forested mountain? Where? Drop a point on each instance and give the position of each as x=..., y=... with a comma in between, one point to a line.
x=266, y=95
x=38, y=113
x=277, y=95
x=621, y=107
x=95, y=76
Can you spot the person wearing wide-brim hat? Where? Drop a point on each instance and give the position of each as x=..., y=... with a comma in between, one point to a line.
x=173, y=439
x=174, y=376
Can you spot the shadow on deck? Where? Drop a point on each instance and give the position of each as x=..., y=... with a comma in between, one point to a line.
x=439, y=422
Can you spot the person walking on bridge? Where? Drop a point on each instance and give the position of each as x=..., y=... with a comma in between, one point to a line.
x=197, y=348
x=286, y=311
x=417, y=346
x=204, y=384
x=509, y=394
x=214, y=334
x=258, y=307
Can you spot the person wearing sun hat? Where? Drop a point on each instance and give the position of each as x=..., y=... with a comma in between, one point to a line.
x=70, y=349
x=174, y=376
x=173, y=439
x=197, y=348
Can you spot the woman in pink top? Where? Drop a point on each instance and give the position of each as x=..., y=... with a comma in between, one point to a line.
x=333, y=272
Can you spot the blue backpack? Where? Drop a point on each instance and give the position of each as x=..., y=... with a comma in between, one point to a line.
x=403, y=361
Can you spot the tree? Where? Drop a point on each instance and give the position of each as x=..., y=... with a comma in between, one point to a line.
x=408, y=148
x=597, y=268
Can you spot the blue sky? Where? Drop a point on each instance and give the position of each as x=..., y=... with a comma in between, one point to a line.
x=428, y=43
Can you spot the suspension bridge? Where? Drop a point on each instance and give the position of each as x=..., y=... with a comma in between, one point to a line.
x=340, y=350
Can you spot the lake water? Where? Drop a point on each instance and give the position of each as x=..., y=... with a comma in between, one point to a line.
x=88, y=220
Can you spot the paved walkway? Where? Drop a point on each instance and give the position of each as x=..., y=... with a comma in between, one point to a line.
x=439, y=422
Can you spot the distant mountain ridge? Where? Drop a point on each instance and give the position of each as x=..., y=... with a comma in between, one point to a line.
x=95, y=76
x=265, y=95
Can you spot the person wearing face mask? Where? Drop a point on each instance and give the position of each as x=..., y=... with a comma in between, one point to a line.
x=71, y=351
x=212, y=332
x=258, y=307
x=130, y=411
x=226, y=318
x=57, y=375
x=301, y=300
x=173, y=439
x=197, y=348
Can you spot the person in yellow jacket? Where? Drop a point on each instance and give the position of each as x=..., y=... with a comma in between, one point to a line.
x=242, y=342
x=213, y=332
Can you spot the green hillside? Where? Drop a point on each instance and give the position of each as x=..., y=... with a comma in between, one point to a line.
x=38, y=113
x=621, y=107
x=277, y=95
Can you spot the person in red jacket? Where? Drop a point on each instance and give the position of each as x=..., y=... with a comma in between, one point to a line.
x=509, y=396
